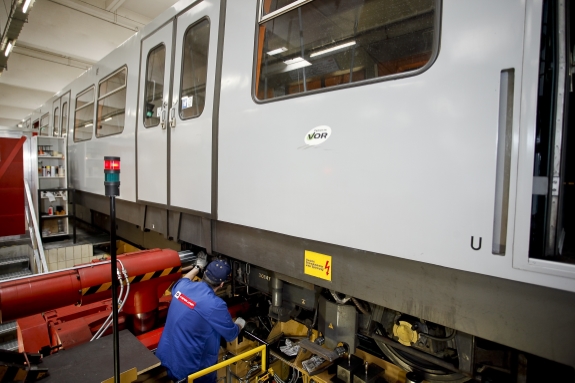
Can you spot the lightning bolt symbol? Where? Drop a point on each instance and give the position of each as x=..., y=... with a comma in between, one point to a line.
x=326, y=267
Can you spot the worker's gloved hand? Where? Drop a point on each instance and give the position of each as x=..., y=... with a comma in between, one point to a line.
x=241, y=322
x=202, y=260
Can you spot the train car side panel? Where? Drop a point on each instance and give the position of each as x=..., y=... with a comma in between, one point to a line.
x=410, y=167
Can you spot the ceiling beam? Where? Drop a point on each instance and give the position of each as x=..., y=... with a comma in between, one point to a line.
x=13, y=96
x=128, y=20
x=14, y=113
x=41, y=54
x=113, y=5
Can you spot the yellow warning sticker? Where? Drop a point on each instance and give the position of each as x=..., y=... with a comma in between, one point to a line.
x=317, y=265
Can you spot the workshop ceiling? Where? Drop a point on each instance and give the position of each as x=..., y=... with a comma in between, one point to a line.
x=61, y=39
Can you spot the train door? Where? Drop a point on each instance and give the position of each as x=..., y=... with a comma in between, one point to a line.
x=152, y=133
x=175, y=118
x=191, y=114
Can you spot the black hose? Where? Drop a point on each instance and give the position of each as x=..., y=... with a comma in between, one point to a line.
x=428, y=358
x=446, y=339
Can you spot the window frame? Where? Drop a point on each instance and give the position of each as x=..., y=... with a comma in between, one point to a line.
x=146, y=84
x=299, y=3
x=62, y=130
x=47, y=126
x=76, y=109
x=100, y=97
x=278, y=12
x=55, y=110
x=206, y=18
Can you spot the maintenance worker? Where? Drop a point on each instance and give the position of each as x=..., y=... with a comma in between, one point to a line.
x=197, y=318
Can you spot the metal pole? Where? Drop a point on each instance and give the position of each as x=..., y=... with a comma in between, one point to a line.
x=116, y=334
x=39, y=205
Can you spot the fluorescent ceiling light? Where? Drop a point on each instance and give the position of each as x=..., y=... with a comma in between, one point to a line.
x=276, y=51
x=9, y=48
x=108, y=119
x=26, y=5
x=295, y=63
x=337, y=47
x=19, y=125
x=88, y=125
x=287, y=66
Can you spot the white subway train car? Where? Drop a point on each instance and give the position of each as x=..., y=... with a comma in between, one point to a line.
x=413, y=154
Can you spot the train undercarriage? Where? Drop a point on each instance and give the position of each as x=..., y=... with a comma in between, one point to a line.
x=328, y=336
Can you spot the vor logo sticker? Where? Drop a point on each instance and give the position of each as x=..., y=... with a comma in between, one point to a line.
x=317, y=135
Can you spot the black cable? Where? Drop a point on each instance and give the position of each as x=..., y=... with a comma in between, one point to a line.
x=447, y=338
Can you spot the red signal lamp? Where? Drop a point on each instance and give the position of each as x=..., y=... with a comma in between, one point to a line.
x=112, y=176
x=111, y=163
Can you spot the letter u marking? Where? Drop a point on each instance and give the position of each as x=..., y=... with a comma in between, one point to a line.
x=472, y=245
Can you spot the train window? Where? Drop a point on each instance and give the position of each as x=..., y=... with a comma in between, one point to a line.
x=56, y=127
x=44, y=124
x=154, y=91
x=111, y=112
x=195, y=70
x=84, y=122
x=64, y=130
x=325, y=43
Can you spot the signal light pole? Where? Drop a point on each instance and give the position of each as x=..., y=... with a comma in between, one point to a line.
x=112, y=190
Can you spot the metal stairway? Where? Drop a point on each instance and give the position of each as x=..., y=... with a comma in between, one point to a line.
x=15, y=259
x=8, y=336
x=14, y=263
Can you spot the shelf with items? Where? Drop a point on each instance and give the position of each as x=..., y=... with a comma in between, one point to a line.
x=55, y=216
x=50, y=183
x=60, y=194
x=47, y=213
x=50, y=170
x=44, y=236
x=48, y=151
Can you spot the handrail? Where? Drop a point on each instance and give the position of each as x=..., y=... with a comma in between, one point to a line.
x=227, y=362
x=35, y=236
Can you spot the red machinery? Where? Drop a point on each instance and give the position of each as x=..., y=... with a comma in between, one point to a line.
x=65, y=308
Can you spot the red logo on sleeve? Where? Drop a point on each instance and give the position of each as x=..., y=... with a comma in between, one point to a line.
x=185, y=300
